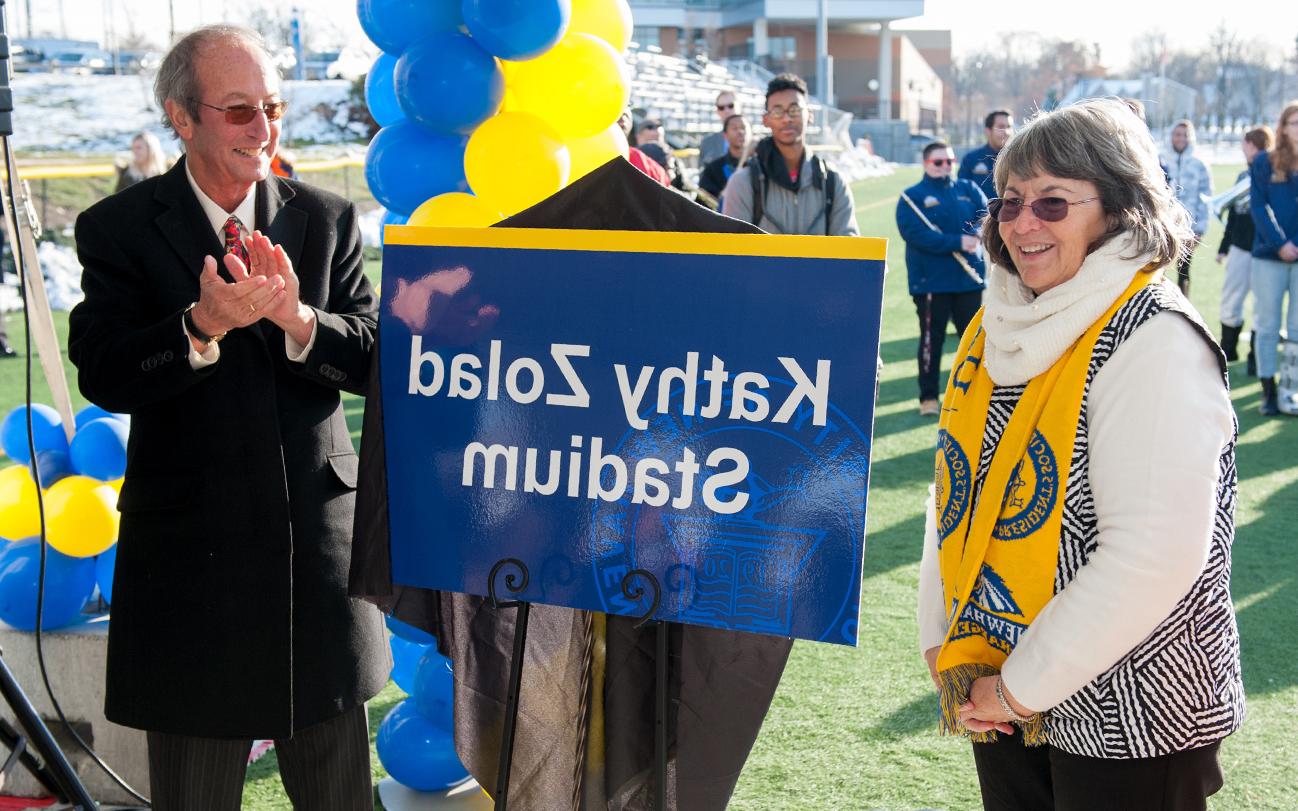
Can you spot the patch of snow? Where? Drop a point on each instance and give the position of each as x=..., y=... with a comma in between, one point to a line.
x=62, y=272
x=99, y=114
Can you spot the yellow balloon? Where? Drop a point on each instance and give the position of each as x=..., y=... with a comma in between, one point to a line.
x=455, y=209
x=577, y=87
x=116, y=484
x=20, y=517
x=82, y=516
x=515, y=160
x=610, y=20
x=588, y=154
x=507, y=102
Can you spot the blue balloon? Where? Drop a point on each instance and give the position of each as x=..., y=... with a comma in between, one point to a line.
x=68, y=584
x=99, y=449
x=405, y=660
x=434, y=691
x=409, y=632
x=53, y=465
x=105, y=565
x=417, y=753
x=94, y=412
x=381, y=92
x=394, y=218
x=447, y=83
x=517, y=29
x=406, y=164
x=47, y=429
x=394, y=24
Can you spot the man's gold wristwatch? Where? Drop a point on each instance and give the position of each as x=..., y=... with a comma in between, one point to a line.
x=192, y=328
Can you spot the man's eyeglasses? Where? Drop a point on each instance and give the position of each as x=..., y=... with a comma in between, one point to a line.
x=943, y=161
x=1046, y=209
x=792, y=111
x=729, y=106
x=240, y=114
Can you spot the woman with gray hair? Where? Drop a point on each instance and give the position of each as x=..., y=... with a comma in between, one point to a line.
x=1074, y=604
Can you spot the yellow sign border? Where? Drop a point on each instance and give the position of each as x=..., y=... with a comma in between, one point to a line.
x=557, y=239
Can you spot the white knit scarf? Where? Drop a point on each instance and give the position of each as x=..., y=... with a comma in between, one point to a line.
x=1027, y=333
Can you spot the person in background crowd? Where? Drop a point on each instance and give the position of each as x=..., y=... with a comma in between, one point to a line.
x=1273, y=199
x=784, y=188
x=1074, y=601
x=282, y=164
x=652, y=141
x=716, y=174
x=1138, y=107
x=147, y=160
x=231, y=618
x=637, y=158
x=1192, y=183
x=1237, y=251
x=717, y=144
x=979, y=164
x=938, y=218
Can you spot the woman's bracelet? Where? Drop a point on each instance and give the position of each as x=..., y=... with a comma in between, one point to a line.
x=1005, y=704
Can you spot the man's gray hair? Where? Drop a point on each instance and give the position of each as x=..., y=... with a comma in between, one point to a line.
x=1103, y=141
x=177, y=77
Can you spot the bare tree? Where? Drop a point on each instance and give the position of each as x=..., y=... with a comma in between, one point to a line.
x=1149, y=51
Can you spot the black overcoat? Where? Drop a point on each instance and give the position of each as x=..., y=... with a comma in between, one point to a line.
x=230, y=614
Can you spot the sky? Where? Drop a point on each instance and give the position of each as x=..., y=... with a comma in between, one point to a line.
x=974, y=23
x=1113, y=24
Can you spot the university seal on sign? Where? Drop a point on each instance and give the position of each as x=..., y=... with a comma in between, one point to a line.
x=953, y=480
x=1031, y=494
x=747, y=570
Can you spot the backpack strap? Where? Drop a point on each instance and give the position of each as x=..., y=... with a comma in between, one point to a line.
x=822, y=177
x=759, y=181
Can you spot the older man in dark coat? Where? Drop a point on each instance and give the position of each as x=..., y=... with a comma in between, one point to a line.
x=225, y=309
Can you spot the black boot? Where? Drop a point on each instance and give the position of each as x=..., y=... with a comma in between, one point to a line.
x=6, y=351
x=1252, y=353
x=1270, y=406
x=1230, y=342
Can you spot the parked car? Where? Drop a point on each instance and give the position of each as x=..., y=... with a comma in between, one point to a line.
x=26, y=58
x=316, y=65
x=138, y=61
x=83, y=62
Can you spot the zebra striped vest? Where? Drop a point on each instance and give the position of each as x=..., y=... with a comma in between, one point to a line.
x=1181, y=687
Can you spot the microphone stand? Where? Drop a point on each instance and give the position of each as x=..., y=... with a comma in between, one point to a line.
x=57, y=772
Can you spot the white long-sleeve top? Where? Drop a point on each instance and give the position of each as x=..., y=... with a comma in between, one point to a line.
x=1158, y=418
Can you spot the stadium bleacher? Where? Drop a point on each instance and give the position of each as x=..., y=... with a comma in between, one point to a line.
x=682, y=94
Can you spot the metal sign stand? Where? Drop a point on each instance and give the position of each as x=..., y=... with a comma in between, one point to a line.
x=516, y=582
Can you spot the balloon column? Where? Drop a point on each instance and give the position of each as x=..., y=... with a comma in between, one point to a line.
x=416, y=741
x=81, y=481
x=488, y=107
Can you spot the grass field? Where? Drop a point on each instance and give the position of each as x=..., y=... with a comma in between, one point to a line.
x=853, y=728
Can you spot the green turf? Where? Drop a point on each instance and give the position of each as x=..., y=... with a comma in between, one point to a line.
x=852, y=728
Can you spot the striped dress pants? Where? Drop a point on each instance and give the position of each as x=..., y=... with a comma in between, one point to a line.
x=324, y=767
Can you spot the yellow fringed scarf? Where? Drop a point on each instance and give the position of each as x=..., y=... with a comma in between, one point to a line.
x=998, y=557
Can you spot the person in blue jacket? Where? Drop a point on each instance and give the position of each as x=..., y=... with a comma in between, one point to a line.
x=1273, y=197
x=980, y=164
x=944, y=290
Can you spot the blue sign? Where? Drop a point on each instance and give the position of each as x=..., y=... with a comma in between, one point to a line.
x=698, y=406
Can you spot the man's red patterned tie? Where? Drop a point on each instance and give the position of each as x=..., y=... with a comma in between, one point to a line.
x=234, y=241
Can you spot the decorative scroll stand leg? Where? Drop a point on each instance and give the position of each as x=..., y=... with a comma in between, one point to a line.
x=634, y=592
x=515, y=584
